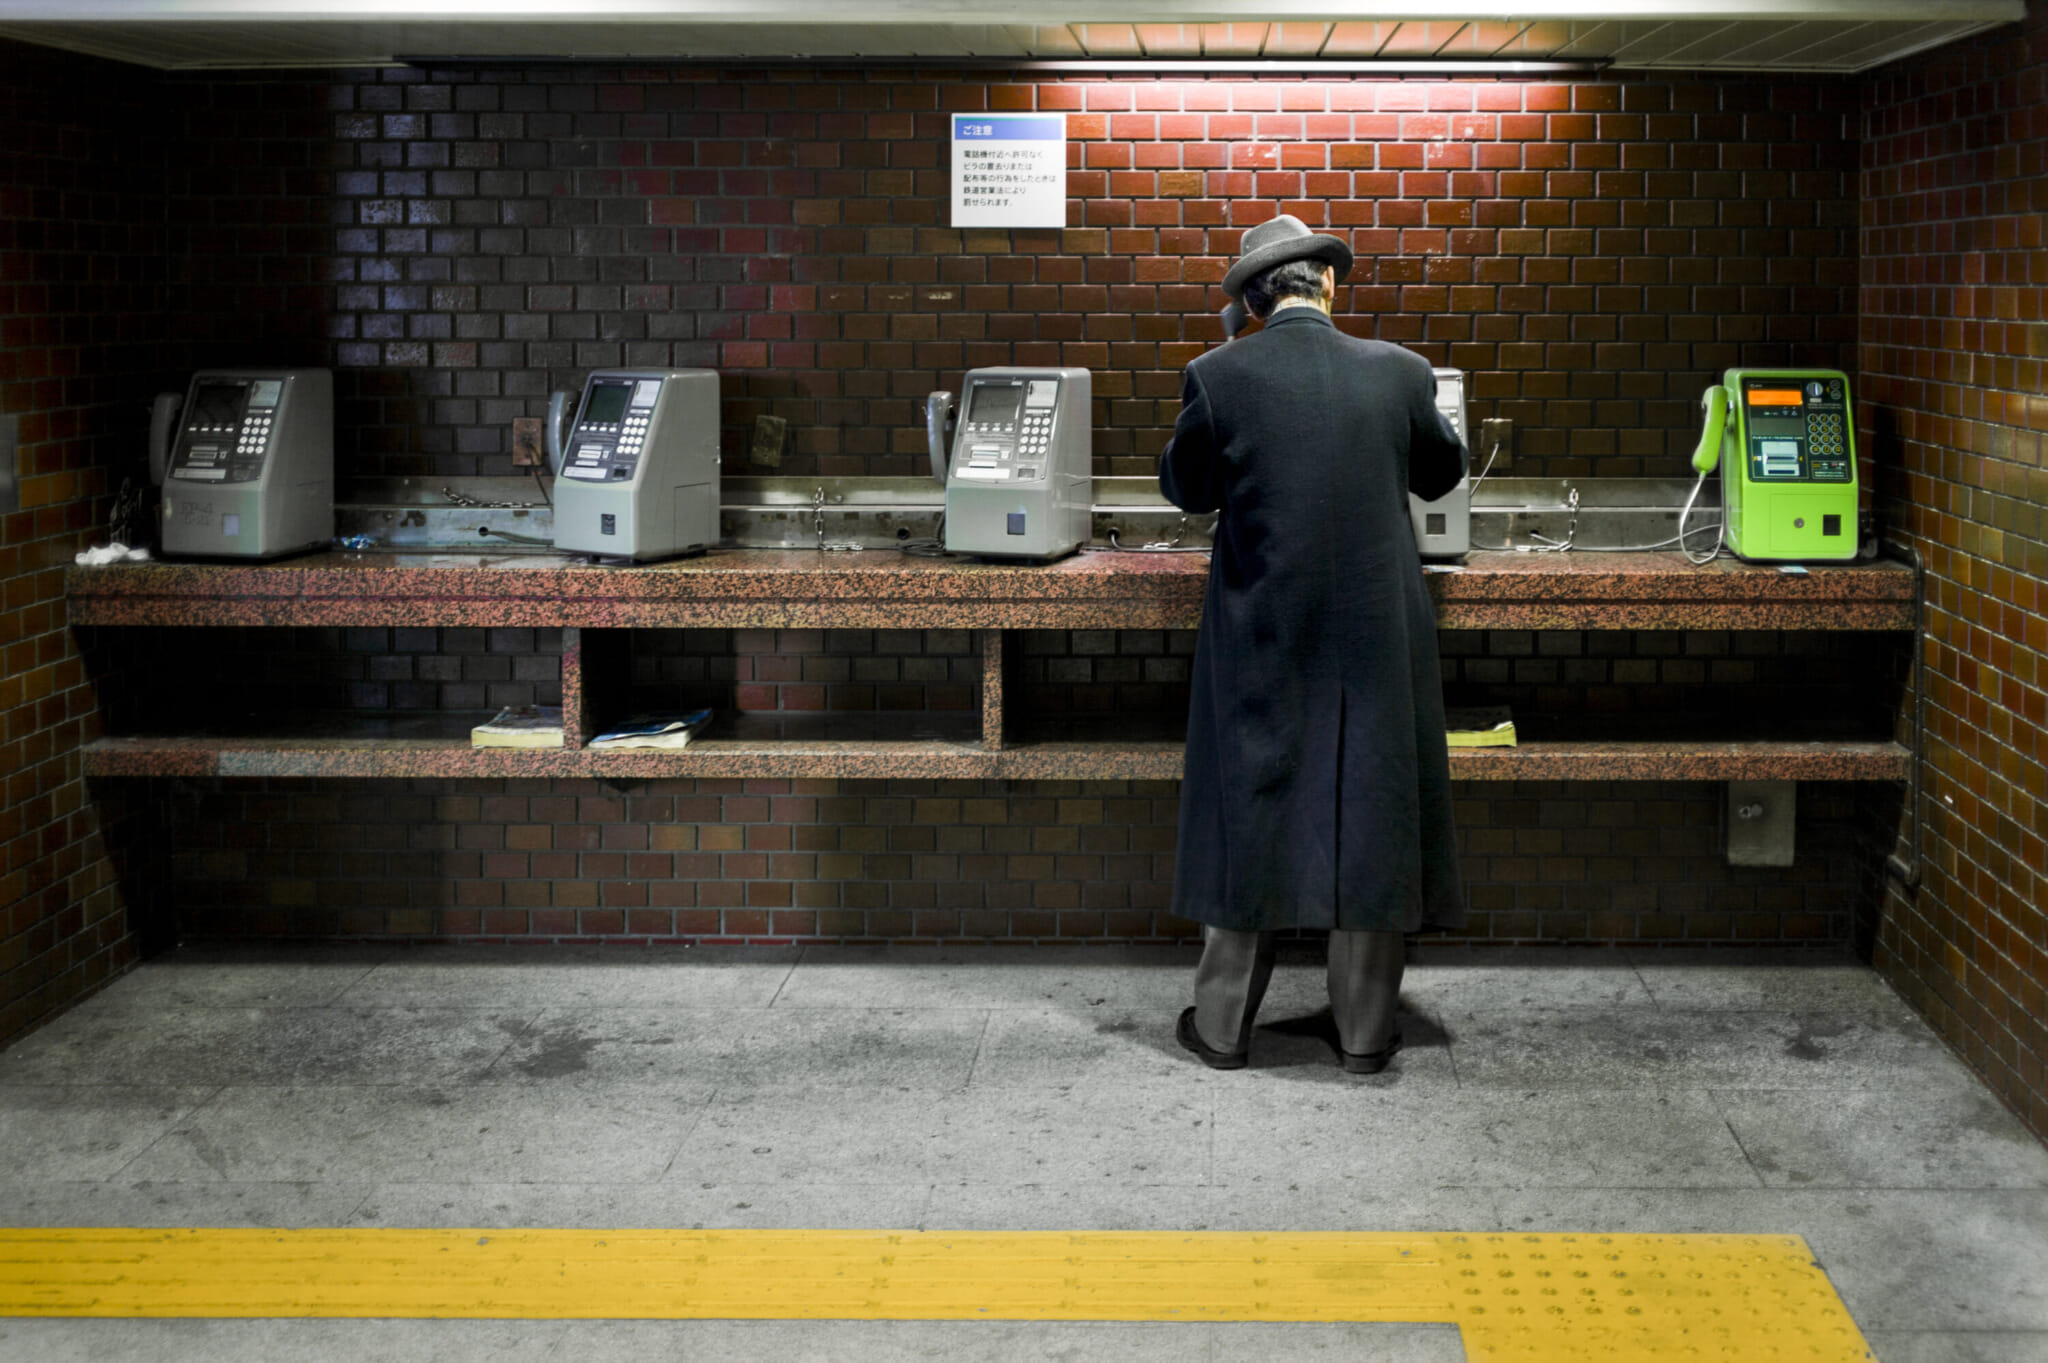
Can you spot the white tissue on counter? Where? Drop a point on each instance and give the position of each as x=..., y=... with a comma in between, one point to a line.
x=111, y=553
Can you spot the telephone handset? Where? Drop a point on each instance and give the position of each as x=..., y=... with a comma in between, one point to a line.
x=558, y=411
x=1706, y=457
x=938, y=434
x=163, y=423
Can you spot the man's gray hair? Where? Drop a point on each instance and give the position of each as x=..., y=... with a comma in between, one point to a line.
x=1292, y=279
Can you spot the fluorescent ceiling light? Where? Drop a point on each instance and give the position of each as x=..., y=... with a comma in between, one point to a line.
x=944, y=12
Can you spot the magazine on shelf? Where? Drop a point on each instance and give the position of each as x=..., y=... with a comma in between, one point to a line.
x=654, y=731
x=520, y=726
x=1488, y=727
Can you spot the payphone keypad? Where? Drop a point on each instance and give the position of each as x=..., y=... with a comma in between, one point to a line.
x=255, y=434
x=1037, y=434
x=1826, y=449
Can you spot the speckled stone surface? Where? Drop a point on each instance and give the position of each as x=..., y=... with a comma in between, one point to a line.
x=725, y=589
x=991, y=645
x=800, y=589
x=578, y=722
x=1683, y=760
x=1664, y=591
x=936, y=759
x=793, y=588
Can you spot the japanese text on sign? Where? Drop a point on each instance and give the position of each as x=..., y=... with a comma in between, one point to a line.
x=1009, y=170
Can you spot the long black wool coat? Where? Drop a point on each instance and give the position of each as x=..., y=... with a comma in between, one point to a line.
x=1317, y=790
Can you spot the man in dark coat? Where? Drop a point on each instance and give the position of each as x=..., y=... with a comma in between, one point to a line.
x=1317, y=789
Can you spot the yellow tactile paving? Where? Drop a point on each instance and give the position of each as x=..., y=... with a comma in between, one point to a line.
x=1516, y=1298
x=1520, y=1298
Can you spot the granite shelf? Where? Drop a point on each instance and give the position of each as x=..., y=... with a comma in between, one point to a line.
x=798, y=589
x=386, y=759
x=932, y=759
x=773, y=589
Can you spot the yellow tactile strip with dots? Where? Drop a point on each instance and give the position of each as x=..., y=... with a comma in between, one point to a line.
x=1515, y=1298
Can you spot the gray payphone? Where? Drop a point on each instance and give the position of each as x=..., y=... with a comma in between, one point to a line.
x=1443, y=528
x=637, y=476
x=246, y=463
x=1017, y=470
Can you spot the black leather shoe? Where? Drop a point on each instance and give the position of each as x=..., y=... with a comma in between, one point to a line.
x=1192, y=1040
x=1370, y=1062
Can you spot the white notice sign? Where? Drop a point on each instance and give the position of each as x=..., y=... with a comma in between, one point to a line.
x=1009, y=170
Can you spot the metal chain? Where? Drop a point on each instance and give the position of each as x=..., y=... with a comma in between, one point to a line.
x=818, y=523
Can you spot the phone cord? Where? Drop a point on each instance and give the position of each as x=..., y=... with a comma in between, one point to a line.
x=1172, y=546
x=933, y=546
x=1683, y=548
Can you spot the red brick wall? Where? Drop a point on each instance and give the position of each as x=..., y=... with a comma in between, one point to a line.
x=459, y=242
x=927, y=861
x=81, y=297
x=1954, y=333
x=834, y=671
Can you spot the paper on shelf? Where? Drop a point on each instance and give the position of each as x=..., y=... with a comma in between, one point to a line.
x=520, y=726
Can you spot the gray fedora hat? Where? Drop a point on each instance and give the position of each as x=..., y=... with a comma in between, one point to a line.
x=1279, y=240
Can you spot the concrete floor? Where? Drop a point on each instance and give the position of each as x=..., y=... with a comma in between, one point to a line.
x=1011, y=1089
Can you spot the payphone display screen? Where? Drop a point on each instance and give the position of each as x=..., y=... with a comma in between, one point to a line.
x=995, y=405
x=607, y=403
x=216, y=409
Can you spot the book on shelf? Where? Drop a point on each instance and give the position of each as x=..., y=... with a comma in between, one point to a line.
x=1487, y=727
x=672, y=730
x=520, y=726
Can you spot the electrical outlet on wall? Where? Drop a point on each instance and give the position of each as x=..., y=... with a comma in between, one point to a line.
x=1759, y=822
x=1496, y=443
x=526, y=451
x=770, y=434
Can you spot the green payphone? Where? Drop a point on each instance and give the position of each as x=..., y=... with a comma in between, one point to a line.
x=1785, y=441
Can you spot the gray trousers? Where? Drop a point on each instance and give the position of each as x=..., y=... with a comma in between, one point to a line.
x=1364, y=981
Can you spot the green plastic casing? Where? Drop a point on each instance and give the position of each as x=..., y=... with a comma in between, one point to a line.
x=1788, y=475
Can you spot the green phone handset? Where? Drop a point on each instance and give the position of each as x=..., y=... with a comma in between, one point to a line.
x=1706, y=457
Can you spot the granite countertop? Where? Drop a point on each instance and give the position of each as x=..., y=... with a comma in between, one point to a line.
x=771, y=588
x=376, y=759
x=787, y=588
